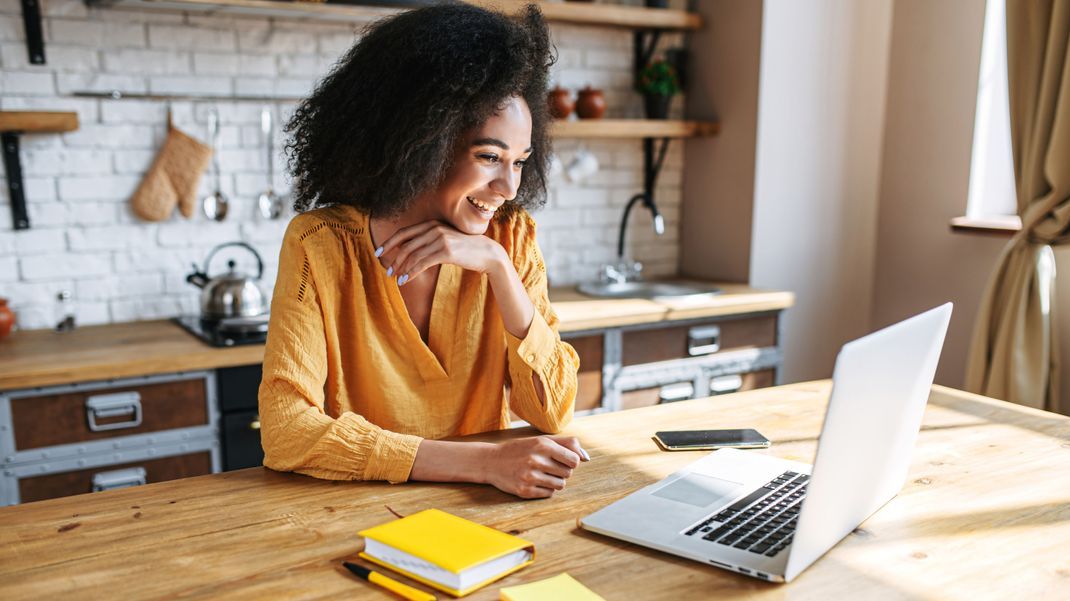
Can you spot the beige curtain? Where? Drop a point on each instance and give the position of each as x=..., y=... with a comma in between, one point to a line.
x=1014, y=353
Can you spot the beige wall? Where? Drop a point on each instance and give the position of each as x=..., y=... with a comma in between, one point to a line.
x=718, y=178
x=932, y=87
x=845, y=150
x=821, y=108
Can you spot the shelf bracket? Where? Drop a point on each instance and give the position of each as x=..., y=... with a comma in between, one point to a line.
x=13, y=168
x=12, y=125
x=35, y=40
x=652, y=165
x=646, y=41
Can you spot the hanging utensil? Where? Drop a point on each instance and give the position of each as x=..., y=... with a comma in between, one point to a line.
x=270, y=204
x=215, y=205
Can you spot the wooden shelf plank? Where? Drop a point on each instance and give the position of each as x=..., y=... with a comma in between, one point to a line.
x=587, y=14
x=1005, y=225
x=604, y=14
x=633, y=128
x=37, y=121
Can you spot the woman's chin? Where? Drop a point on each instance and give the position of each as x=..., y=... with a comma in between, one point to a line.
x=472, y=227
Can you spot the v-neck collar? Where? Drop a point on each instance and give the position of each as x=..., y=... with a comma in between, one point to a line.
x=433, y=358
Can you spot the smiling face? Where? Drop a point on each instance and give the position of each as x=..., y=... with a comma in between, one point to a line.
x=486, y=170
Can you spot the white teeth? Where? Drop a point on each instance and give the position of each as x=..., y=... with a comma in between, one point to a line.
x=481, y=206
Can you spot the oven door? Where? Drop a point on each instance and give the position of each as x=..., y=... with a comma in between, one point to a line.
x=241, y=440
x=238, y=387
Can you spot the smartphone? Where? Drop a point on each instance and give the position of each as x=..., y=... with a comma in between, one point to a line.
x=696, y=440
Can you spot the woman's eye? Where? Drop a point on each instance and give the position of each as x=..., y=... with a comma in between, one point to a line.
x=521, y=163
x=489, y=157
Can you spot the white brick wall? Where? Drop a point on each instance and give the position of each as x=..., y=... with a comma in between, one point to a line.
x=118, y=268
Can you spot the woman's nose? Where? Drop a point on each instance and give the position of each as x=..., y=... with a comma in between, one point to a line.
x=507, y=182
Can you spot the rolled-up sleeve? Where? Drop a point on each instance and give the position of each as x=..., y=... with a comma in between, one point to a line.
x=541, y=352
x=297, y=434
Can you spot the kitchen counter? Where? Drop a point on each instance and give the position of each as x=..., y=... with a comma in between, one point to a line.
x=44, y=358
x=984, y=514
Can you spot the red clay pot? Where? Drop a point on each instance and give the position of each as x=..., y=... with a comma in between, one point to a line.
x=591, y=103
x=560, y=103
x=7, y=318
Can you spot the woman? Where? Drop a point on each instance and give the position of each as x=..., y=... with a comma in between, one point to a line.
x=413, y=293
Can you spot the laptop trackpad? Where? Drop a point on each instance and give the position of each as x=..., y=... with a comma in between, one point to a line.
x=698, y=490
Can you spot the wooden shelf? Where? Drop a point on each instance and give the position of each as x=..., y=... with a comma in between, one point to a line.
x=558, y=12
x=1003, y=225
x=37, y=121
x=633, y=128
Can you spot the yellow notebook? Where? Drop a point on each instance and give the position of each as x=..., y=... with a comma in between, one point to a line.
x=557, y=588
x=446, y=552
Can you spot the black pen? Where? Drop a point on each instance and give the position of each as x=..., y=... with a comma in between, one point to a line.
x=402, y=590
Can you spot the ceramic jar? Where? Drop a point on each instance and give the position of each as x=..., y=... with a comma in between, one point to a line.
x=591, y=103
x=560, y=103
x=7, y=318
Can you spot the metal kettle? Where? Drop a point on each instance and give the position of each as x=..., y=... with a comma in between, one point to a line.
x=232, y=294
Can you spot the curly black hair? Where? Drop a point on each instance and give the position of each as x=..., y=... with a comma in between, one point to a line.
x=383, y=126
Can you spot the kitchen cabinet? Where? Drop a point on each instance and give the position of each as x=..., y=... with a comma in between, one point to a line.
x=84, y=437
x=664, y=362
x=116, y=405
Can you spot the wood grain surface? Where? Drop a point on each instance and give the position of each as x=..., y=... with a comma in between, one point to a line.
x=562, y=12
x=984, y=514
x=43, y=358
x=38, y=121
x=633, y=128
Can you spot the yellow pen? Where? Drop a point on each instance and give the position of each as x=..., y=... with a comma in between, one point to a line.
x=402, y=590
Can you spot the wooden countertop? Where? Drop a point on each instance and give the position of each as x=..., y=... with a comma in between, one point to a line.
x=984, y=514
x=44, y=358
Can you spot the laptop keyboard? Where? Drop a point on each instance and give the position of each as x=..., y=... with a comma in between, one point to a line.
x=763, y=522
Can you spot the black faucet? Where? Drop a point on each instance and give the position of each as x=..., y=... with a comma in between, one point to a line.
x=648, y=202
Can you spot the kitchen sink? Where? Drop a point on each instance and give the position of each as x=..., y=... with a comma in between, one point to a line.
x=646, y=289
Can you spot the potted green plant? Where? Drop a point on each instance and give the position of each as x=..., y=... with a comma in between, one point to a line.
x=658, y=83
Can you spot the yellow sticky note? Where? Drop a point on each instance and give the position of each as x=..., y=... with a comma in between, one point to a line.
x=559, y=587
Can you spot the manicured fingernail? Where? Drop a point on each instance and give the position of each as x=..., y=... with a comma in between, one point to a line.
x=403, y=279
x=586, y=457
x=379, y=251
x=390, y=271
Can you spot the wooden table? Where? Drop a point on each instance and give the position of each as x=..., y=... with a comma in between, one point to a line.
x=985, y=514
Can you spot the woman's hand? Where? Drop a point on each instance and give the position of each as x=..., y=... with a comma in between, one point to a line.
x=534, y=468
x=414, y=249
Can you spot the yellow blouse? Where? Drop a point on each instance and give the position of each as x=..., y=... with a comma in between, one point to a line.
x=350, y=388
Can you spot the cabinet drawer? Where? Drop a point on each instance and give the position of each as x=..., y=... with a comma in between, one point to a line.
x=589, y=387
x=589, y=380
x=90, y=414
x=682, y=391
x=740, y=382
x=656, y=395
x=678, y=342
x=51, y=486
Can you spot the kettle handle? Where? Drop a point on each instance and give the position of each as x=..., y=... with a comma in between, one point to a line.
x=259, y=261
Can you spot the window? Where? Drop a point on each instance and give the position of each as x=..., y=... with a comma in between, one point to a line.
x=991, y=191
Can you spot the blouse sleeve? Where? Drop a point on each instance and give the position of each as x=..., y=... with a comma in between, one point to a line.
x=296, y=432
x=541, y=352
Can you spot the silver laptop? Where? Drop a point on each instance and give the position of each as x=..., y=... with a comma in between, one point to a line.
x=771, y=518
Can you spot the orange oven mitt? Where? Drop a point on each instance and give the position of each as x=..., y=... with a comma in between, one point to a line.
x=173, y=177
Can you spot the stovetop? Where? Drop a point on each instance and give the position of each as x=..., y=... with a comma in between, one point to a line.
x=209, y=333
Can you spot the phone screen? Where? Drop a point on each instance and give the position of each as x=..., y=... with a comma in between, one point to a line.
x=711, y=439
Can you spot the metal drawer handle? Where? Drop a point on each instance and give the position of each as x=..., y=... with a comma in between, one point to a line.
x=703, y=340
x=131, y=476
x=681, y=391
x=113, y=405
x=726, y=384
